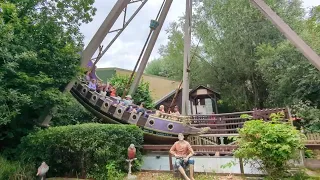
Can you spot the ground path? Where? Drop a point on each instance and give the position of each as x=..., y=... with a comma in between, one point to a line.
x=163, y=176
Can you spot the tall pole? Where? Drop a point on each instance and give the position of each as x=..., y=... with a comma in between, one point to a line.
x=288, y=32
x=187, y=44
x=150, y=46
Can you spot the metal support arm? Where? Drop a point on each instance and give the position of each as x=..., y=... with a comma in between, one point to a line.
x=150, y=46
x=103, y=31
x=125, y=24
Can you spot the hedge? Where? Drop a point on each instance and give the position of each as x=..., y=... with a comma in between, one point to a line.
x=80, y=150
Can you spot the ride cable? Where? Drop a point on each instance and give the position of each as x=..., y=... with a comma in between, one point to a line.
x=153, y=25
x=188, y=69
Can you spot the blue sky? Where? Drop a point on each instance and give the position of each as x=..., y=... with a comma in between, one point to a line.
x=126, y=49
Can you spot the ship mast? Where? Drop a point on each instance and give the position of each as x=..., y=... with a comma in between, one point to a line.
x=187, y=45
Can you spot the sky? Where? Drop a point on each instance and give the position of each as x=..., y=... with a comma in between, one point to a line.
x=126, y=49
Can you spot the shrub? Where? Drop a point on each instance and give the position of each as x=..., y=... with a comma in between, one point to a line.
x=83, y=149
x=310, y=116
x=14, y=170
x=270, y=145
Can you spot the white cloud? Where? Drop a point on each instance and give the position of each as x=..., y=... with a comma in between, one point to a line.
x=126, y=49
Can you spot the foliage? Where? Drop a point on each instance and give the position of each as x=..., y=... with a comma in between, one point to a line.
x=228, y=165
x=81, y=149
x=71, y=113
x=110, y=172
x=170, y=64
x=14, y=170
x=309, y=154
x=269, y=145
x=233, y=31
x=310, y=116
x=244, y=56
x=142, y=93
x=39, y=45
x=289, y=75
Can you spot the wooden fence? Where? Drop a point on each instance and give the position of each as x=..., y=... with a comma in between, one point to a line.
x=228, y=123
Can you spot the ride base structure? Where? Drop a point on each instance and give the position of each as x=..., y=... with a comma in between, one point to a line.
x=164, y=128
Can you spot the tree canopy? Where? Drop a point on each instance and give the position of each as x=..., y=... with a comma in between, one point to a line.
x=244, y=56
x=39, y=45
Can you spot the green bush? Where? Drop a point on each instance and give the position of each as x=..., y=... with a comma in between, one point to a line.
x=269, y=145
x=80, y=150
x=14, y=170
x=310, y=115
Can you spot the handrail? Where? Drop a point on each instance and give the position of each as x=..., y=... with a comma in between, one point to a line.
x=225, y=114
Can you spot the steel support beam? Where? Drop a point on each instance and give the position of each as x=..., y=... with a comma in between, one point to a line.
x=303, y=47
x=120, y=32
x=150, y=47
x=187, y=44
x=103, y=31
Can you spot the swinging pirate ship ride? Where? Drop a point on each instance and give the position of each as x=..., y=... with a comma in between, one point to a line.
x=164, y=128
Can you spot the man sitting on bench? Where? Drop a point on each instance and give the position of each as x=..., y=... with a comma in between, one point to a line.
x=183, y=152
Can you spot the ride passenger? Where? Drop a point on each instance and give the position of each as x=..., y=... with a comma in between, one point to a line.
x=175, y=111
x=100, y=86
x=113, y=92
x=161, y=109
x=92, y=85
x=88, y=76
x=127, y=101
x=140, y=109
x=103, y=93
x=108, y=89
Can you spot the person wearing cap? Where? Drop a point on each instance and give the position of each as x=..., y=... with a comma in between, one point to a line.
x=127, y=101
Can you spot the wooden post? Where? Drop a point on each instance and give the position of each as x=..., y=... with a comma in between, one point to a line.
x=191, y=106
x=215, y=103
x=170, y=162
x=241, y=166
x=196, y=104
x=290, y=116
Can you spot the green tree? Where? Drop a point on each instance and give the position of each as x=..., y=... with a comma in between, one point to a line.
x=269, y=145
x=71, y=113
x=38, y=57
x=141, y=95
x=170, y=64
x=289, y=74
x=156, y=67
x=233, y=30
